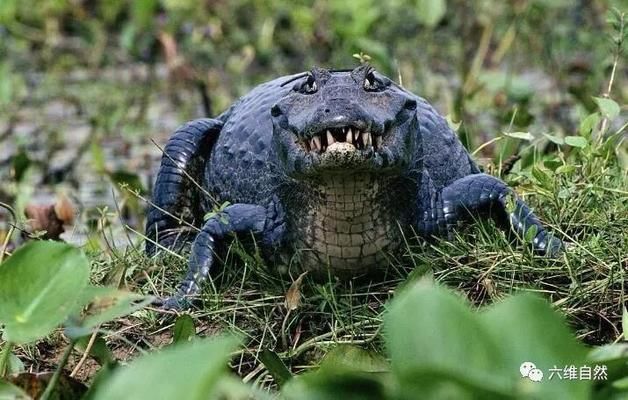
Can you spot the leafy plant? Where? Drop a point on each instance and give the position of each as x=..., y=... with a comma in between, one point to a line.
x=45, y=284
x=196, y=368
x=440, y=348
x=40, y=285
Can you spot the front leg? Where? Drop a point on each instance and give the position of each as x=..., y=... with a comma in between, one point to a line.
x=482, y=195
x=217, y=230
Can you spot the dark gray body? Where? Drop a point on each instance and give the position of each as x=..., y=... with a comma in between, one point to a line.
x=341, y=207
x=243, y=149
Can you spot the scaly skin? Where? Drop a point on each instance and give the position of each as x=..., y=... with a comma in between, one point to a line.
x=333, y=166
x=348, y=222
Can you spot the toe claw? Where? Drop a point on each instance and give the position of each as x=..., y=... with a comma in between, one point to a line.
x=550, y=246
x=174, y=303
x=554, y=247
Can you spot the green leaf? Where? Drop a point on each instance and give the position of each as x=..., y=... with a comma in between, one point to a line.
x=8, y=10
x=554, y=139
x=565, y=169
x=40, y=285
x=100, y=380
x=231, y=388
x=608, y=107
x=98, y=157
x=430, y=12
x=184, y=329
x=543, y=177
x=526, y=329
x=275, y=366
x=16, y=365
x=333, y=385
x=531, y=233
x=510, y=203
x=355, y=358
x=454, y=126
x=609, y=352
x=576, y=141
x=20, y=164
x=589, y=124
x=613, y=356
x=99, y=350
x=190, y=370
x=621, y=384
x=428, y=333
x=520, y=135
x=564, y=193
x=106, y=304
x=12, y=84
x=128, y=179
x=143, y=12
x=12, y=392
x=552, y=162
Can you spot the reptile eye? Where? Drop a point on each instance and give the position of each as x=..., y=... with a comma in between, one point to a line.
x=371, y=83
x=309, y=86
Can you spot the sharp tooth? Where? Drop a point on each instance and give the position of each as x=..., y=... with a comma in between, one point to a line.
x=330, y=138
x=356, y=135
x=316, y=143
x=349, y=138
x=378, y=141
x=366, y=139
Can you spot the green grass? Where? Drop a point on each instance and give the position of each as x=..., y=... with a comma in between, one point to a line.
x=579, y=192
x=247, y=296
x=584, y=205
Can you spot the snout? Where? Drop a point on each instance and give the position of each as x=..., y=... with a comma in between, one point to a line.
x=340, y=113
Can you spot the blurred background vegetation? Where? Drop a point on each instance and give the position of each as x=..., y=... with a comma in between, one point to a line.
x=90, y=90
x=105, y=78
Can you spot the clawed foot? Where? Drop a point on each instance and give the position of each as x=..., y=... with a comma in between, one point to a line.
x=173, y=303
x=548, y=246
x=554, y=247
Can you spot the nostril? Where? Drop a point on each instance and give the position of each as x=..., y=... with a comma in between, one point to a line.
x=275, y=111
x=410, y=104
x=327, y=110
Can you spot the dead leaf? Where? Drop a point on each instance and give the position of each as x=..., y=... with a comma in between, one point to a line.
x=293, y=295
x=297, y=335
x=65, y=210
x=178, y=68
x=35, y=384
x=490, y=287
x=43, y=221
x=49, y=219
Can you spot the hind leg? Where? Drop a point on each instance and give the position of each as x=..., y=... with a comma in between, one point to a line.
x=484, y=196
x=176, y=197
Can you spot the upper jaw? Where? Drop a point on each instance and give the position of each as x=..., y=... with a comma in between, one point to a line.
x=360, y=137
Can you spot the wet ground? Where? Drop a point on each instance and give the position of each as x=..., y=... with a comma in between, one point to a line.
x=67, y=143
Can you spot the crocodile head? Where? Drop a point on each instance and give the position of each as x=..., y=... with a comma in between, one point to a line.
x=343, y=121
x=345, y=141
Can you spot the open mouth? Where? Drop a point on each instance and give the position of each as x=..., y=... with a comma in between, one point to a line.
x=361, y=140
